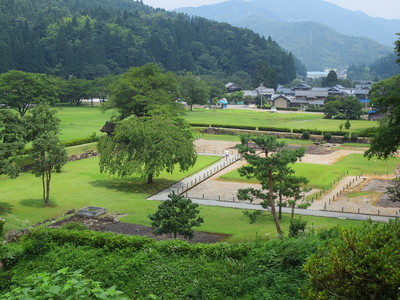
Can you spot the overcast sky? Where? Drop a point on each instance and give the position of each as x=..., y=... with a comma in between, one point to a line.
x=388, y=9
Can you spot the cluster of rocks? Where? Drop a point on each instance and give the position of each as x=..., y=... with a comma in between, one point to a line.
x=83, y=155
x=94, y=223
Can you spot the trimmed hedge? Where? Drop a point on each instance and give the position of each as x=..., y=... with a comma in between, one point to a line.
x=81, y=141
x=338, y=133
x=289, y=108
x=276, y=129
x=246, y=127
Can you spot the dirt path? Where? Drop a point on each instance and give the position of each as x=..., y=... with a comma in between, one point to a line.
x=334, y=200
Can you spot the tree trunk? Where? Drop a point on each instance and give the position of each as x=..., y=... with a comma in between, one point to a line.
x=150, y=178
x=280, y=205
x=44, y=188
x=48, y=187
x=294, y=203
x=191, y=107
x=272, y=204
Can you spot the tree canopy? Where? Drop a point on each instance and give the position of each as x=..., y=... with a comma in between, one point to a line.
x=193, y=90
x=147, y=146
x=176, y=215
x=21, y=90
x=92, y=38
x=385, y=97
x=12, y=141
x=47, y=153
x=268, y=163
x=144, y=91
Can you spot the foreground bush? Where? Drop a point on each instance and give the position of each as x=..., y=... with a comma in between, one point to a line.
x=164, y=270
x=63, y=284
x=363, y=264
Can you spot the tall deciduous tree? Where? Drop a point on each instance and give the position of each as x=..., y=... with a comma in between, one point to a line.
x=147, y=146
x=193, y=90
x=262, y=152
x=144, y=91
x=176, y=215
x=385, y=96
x=21, y=90
x=48, y=154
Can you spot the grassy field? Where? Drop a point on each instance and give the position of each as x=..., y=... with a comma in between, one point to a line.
x=322, y=176
x=81, y=184
x=285, y=120
x=81, y=122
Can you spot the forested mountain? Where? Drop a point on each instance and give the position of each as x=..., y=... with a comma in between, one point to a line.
x=90, y=38
x=382, y=68
x=321, y=34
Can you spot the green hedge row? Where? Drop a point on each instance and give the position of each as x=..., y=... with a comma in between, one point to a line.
x=46, y=236
x=81, y=141
x=276, y=129
x=370, y=132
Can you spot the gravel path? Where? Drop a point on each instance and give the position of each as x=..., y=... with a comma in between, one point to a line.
x=210, y=190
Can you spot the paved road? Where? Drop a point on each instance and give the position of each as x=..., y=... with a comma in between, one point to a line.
x=187, y=183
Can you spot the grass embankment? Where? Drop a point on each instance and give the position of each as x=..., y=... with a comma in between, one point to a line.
x=322, y=176
x=299, y=120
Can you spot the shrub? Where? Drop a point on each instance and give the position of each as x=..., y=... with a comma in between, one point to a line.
x=315, y=131
x=275, y=129
x=362, y=264
x=198, y=125
x=297, y=227
x=63, y=284
x=327, y=136
x=369, y=132
x=81, y=141
x=354, y=137
x=347, y=125
x=303, y=205
x=338, y=133
x=234, y=126
x=74, y=226
x=346, y=136
x=2, y=221
x=253, y=215
x=306, y=135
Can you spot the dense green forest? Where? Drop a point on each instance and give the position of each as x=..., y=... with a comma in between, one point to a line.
x=382, y=68
x=92, y=38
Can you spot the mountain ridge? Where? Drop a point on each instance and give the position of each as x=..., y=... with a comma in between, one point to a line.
x=264, y=17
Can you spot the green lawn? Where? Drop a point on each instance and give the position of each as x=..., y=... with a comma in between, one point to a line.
x=81, y=122
x=81, y=184
x=322, y=176
x=286, y=120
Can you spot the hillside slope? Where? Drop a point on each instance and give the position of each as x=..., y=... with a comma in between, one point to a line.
x=90, y=38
